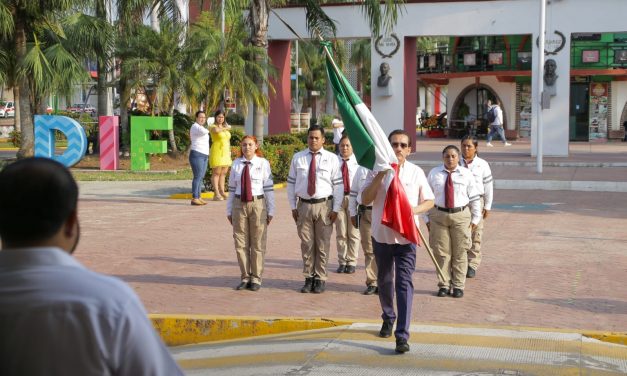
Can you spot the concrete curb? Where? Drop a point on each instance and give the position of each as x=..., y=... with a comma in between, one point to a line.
x=177, y=330
x=209, y=195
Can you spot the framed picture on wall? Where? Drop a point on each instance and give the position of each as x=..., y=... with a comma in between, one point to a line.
x=590, y=56
x=495, y=58
x=620, y=56
x=470, y=59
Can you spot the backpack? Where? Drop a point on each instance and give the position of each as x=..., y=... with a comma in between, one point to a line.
x=492, y=115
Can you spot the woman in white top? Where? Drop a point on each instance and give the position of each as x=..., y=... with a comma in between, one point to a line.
x=250, y=208
x=198, y=155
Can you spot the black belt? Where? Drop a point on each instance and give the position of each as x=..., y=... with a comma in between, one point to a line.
x=254, y=197
x=362, y=207
x=315, y=200
x=451, y=210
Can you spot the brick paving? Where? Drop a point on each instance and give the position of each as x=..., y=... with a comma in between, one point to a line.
x=552, y=258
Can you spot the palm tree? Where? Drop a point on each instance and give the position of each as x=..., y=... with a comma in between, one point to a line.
x=360, y=58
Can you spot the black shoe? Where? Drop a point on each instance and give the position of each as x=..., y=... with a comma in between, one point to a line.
x=386, y=329
x=318, y=287
x=308, y=286
x=471, y=273
x=371, y=290
x=442, y=292
x=458, y=293
x=350, y=269
x=242, y=285
x=401, y=346
x=341, y=269
x=254, y=287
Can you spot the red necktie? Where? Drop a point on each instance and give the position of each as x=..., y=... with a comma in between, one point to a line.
x=449, y=192
x=311, y=178
x=247, y=189
x=346, y=177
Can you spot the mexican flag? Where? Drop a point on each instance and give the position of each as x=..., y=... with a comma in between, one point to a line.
x=372, y=150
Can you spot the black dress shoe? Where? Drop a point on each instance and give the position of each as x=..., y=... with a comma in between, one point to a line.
x=254, y=287
x=242, y=285
x=458, y=293
x=308, y=286
x=341, y=268
x=471, y=273
x=442, y=292
x=350, y=269
x=401, y=346
x=370, y=290
x=318, y=287
x=386, y=329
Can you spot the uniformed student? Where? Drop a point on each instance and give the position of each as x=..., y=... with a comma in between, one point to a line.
x=315, y=192
x=483, y=177
x=361, y=217
x=250, y=208
x=455, y=214
x=346, y=234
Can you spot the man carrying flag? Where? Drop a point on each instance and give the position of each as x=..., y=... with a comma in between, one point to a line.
x=396, y=254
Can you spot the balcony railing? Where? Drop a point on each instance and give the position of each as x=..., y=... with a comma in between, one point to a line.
x=471, y=60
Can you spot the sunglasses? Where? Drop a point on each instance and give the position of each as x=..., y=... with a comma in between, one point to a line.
x=401, y=144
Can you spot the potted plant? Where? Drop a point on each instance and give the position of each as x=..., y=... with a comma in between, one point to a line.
x=434, y=128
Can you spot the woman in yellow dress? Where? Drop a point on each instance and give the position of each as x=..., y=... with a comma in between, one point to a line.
x=220, y=154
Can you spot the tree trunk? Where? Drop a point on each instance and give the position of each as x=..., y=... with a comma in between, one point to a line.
x=23, y=102
x=101, y=88
x=124, y=126
x=258, y=19
x=171, y=138
x=16, y=95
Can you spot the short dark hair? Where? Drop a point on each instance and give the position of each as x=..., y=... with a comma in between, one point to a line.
x=344, y=135
x=199, y=112
x=401, y=132
x=472, y=138
x=316, y=127
x=37, y=195
x=219, y=112
x=451, y=147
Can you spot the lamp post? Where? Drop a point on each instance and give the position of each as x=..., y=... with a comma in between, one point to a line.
x=540, y=81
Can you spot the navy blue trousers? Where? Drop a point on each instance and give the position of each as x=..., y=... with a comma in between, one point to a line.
x=396, y=260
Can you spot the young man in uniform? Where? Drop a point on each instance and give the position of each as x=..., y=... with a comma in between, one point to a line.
x=346, y=234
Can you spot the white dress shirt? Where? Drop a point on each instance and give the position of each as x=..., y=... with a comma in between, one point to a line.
x=358, y=181
x=59, y=318
x=483, y=177
x=464, y=187
x=417, y=190
x=260, y=179
x=199, y=136
x=328, y=178
x=352, y=169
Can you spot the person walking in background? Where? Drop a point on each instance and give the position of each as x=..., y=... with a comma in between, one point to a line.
x=249, y=209
x=450, y=222
x=338, y=130
x=395, y=255
x=495, y=119
x=56, y=316
x=315, y=190
x=346, y=234
x=361, y=218
x=483, y=179
x=198, y=155
x=220, y=156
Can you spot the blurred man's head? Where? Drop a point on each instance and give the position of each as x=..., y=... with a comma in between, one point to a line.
x=38, y=205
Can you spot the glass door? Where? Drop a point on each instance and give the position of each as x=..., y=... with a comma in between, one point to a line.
x=579, y=111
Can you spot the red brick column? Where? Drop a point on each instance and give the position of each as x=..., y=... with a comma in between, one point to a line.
x=410, y=98
x=279, y=113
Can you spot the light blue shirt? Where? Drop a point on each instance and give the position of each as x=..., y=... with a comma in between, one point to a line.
x=59, y=318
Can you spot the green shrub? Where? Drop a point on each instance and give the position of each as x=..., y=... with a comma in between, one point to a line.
x=16, y=138
x=182, y=123
x=325, y=121
x=236, y=136
x=235, y=119
x=283, y=139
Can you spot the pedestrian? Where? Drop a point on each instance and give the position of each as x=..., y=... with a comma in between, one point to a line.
x=315, y=192
x=361, y=217
x=220, y=157
x=483, y=179
x=346, y=234
x=456, y=213
x=198, y=155
x=495, y=119
x=395, y=255
x=56, y=316
x=338, y=130
x=249, y=209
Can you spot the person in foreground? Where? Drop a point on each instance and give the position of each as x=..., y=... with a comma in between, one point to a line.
x=56, y=316
x=395, y=255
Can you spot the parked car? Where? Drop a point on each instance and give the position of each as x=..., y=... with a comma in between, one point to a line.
x=7, y=109
x=81, y=107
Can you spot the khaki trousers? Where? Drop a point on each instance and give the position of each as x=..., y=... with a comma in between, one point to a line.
x=365, y=224
x=474, y=253
x=314, y=229
x=347, y=237
x=250, y=224
x=449, y=237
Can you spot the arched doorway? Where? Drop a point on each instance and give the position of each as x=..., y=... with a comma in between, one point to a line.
x=469, y=111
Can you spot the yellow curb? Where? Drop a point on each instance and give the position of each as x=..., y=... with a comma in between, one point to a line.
x=209, y=195
x=612, y=337
x=176, y=330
